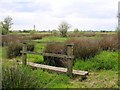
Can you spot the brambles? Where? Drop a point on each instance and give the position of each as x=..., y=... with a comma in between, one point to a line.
x=36, y=36
x=13, y=49
x=57, y=49
x=109, y=43
x=85, y=47
x=14, y=44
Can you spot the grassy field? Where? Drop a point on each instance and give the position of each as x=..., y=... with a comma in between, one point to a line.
x=103, y=69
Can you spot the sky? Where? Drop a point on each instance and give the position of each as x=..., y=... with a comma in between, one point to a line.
x=48, y=14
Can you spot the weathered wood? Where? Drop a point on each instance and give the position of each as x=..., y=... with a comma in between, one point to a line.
x=48, y=54
x=24, y=55
x=58, y=69
x=69, y=60
x=27, y=41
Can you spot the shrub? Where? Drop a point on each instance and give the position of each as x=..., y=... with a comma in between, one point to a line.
x=6, y=39
x=57, y=49
x=36, y=36
x=13, y=49
x=55, y=32
x=109, y=42
x=76, y=30
x=16, y=76
x=81, y=34
x=14, y=45
x=74, y=34
x=85, y=47
x=90, y=34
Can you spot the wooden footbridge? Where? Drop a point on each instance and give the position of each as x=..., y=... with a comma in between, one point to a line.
x=69, y=70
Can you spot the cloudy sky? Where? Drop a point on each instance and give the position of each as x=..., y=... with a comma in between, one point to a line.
x=48, y=14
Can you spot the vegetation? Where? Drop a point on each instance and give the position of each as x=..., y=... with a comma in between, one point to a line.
x=105, y=60
x=55, y=32
x=63, y=27
x=85, y=47
x=6, y=25
x=15, y=76
x=96, y=54
x=76, y=30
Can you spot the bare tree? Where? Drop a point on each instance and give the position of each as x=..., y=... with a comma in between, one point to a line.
x=63, y=28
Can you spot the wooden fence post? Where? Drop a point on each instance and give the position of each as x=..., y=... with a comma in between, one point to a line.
x=69, y=59
x=24, y=54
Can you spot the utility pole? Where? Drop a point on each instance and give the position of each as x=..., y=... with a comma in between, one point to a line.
x=34, y=27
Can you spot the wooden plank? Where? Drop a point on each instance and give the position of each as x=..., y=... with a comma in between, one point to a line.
x=57, y=69
x=48, y=54
x=27, y=41
x=55, y=55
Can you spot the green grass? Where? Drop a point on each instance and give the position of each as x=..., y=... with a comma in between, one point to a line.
x=38, y=78
x=35, y=58
x=52, y=39
x=102, y=70
x=3, y=52
x=97, y=79
x=39, y=47
x=103, y=61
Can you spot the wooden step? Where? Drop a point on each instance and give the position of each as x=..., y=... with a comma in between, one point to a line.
x=57, y=69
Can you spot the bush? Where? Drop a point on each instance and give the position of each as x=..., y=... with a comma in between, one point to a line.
x=85, y=47
x=55, y=32
x=57, y=49
x=14, y=44
x=109, y=43
x=81, y=34
x=36, y=36
x=16, y=76
x=6, y=39
x=13, y=49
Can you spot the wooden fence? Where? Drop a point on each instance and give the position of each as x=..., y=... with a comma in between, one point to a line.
x=69, y=56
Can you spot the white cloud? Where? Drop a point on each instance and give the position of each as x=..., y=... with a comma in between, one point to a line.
x=48, y=14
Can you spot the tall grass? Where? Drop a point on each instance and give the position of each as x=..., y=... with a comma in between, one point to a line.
x=103, y=61
x=16, y=76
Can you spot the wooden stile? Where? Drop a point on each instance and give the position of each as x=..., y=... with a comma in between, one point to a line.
x=69, y=70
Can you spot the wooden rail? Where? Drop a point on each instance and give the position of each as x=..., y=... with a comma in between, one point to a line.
x=48, y=54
